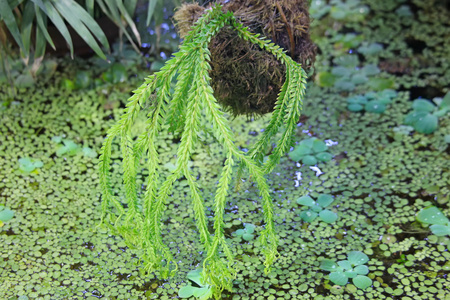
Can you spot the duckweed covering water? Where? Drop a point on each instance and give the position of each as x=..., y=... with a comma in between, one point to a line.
x=381, y=176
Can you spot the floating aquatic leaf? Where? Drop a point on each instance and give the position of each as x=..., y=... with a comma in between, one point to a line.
x=423, y=105
x=432, y=215
x=375, y=106
x=324, y=200
x=370, y=70
x=308, y=216
x=328, y=216
x=359, y=78
x=362, y=281
x=345, y=264
x=350, y=274
x=306, y=200
x=324, y=156
x=340, y=71
x=89, y=152
x=361, y=269
x=319, y=146
x=186, y=291
x=439, y=230
x=371, y=49
x=309, y=160
x=355, y=107
x=328, y=265
x=338, y=278
x=28, y=165
x=6, y=214
x=426, y=125
x=357, y=258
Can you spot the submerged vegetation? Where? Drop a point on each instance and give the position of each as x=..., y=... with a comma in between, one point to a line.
x=390, y=183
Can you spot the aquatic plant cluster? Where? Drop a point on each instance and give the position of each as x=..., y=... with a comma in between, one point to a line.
x=388, y=181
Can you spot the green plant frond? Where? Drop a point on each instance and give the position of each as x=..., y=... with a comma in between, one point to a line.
x=292, y=114
x=176, y=110
x=42, y=24
x=129, y=176
x=7, y=16
x=258, y=150
x=186, y=110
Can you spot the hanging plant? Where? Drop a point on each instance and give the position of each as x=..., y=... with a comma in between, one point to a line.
x=183, y=109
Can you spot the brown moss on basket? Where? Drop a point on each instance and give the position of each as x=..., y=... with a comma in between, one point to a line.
x=246, y=79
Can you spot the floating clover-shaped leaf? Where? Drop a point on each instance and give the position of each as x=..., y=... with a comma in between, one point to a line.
x=202, y=292
x=247, y=232
x=328, y=265
x=423, y=105
x=6, y=214
x=352, y=268
x=371, y=102
x=317, y=208
x=28, y=165
x=328, y=216
x=370, y=70
x=370, y=49
x=440, y=230
x=338, y=278
x=362, y=282
x=310, y=151
x=425, y=115
x=440, y=224
x=375, y=107
x=69, y=148
x=356, y=103
x=89, y=152
x=432, y=215
x=357, y=258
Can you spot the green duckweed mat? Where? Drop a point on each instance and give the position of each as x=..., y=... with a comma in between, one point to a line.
x=381, y=175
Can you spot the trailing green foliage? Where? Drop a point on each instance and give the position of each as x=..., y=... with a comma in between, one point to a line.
x=183, y=110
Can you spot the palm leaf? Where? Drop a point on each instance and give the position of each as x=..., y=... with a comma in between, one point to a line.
x=150, y=10
x=26, y=26
x=111, y=9
x=83, y=23
x=39, y=49
x=126, y=14
x=7, y=16
x=90, y=7
x=42, y=25
x=53, y=14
